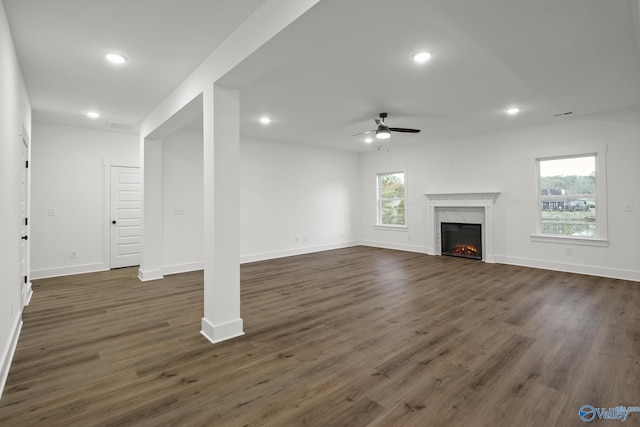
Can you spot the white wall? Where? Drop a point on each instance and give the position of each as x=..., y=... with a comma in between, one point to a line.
x=183, y=208
x=287, y=192
x=295, y=199
x=505, y=162
x=68, y=175
x=15, y=116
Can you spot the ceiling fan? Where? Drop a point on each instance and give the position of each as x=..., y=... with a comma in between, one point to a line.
x=383, y=131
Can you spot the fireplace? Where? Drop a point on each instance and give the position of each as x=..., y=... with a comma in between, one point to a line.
x=467, y=208
x=461, y=239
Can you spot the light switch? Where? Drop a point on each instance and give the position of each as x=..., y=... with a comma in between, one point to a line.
x=52, y=211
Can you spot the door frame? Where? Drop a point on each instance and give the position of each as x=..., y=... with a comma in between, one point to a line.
x=26, y=290
x=106, y=220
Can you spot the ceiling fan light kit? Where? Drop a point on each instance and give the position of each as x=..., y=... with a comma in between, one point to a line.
x=383, y=131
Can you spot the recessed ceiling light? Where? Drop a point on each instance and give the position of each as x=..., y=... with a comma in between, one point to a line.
x=93, y=115
x=115, y=58
x=265, y=120
x=512, y=111
x=422, y=56
x=368, y=140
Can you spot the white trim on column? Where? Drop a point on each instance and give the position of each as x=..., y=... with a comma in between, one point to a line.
x=146, y=275
x=221, y=157
x=222, y=332
x=151, y=254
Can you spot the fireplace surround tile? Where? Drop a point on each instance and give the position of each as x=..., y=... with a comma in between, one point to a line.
x=473, y=208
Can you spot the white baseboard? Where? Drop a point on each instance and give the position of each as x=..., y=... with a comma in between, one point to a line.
x=8, y=352
x=570, y=268
x=394, y=246
x=68, y=271
x=183, y=268
x=222, y=332
x=29, y=294
x=146, y=275
x=296, y=251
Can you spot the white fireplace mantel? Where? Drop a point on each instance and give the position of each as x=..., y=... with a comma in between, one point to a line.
x=462, y=199
x=439, y=202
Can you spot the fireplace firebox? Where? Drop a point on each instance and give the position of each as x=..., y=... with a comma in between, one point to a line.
x=461, y=240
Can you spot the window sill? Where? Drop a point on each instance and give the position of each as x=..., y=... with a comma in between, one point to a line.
x=391, y=227
x=575, y=240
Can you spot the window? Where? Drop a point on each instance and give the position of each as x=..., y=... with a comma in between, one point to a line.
x=570, y=193
x=391, y=199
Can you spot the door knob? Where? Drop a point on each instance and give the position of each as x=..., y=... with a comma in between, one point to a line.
x=113, y=222
x=25, y=237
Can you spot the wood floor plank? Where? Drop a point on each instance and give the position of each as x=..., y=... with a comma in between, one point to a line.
x=350, y=337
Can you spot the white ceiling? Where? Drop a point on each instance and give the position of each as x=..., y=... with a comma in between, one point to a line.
x=330, y=73
x=60, y=44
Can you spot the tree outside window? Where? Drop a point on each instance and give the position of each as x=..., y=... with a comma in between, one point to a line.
x=391, y=199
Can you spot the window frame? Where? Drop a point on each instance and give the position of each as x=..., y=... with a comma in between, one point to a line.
x=601, y=237
x=379, y=225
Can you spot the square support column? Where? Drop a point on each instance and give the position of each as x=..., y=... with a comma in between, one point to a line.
x=151, y=257
x=221, y=134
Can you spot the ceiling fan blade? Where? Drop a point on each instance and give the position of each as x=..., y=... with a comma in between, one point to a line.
x=407, y=130
x=379, y=122
x=363, y=133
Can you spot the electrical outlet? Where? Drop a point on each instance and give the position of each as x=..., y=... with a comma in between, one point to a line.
x=295, y=239
x=568, y=251
x=628, y=207
x=73, y=254
x=306, y=239
x=178, y=211
x=52, y=211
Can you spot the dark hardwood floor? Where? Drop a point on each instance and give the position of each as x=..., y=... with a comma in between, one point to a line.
x=350, y=337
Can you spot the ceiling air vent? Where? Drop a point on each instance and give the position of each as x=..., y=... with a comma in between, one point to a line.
x=113, y=125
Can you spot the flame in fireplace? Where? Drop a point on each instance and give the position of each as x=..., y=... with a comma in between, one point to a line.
x=465, y=250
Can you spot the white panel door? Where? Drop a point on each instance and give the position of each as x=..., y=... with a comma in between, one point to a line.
x=125, y=216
